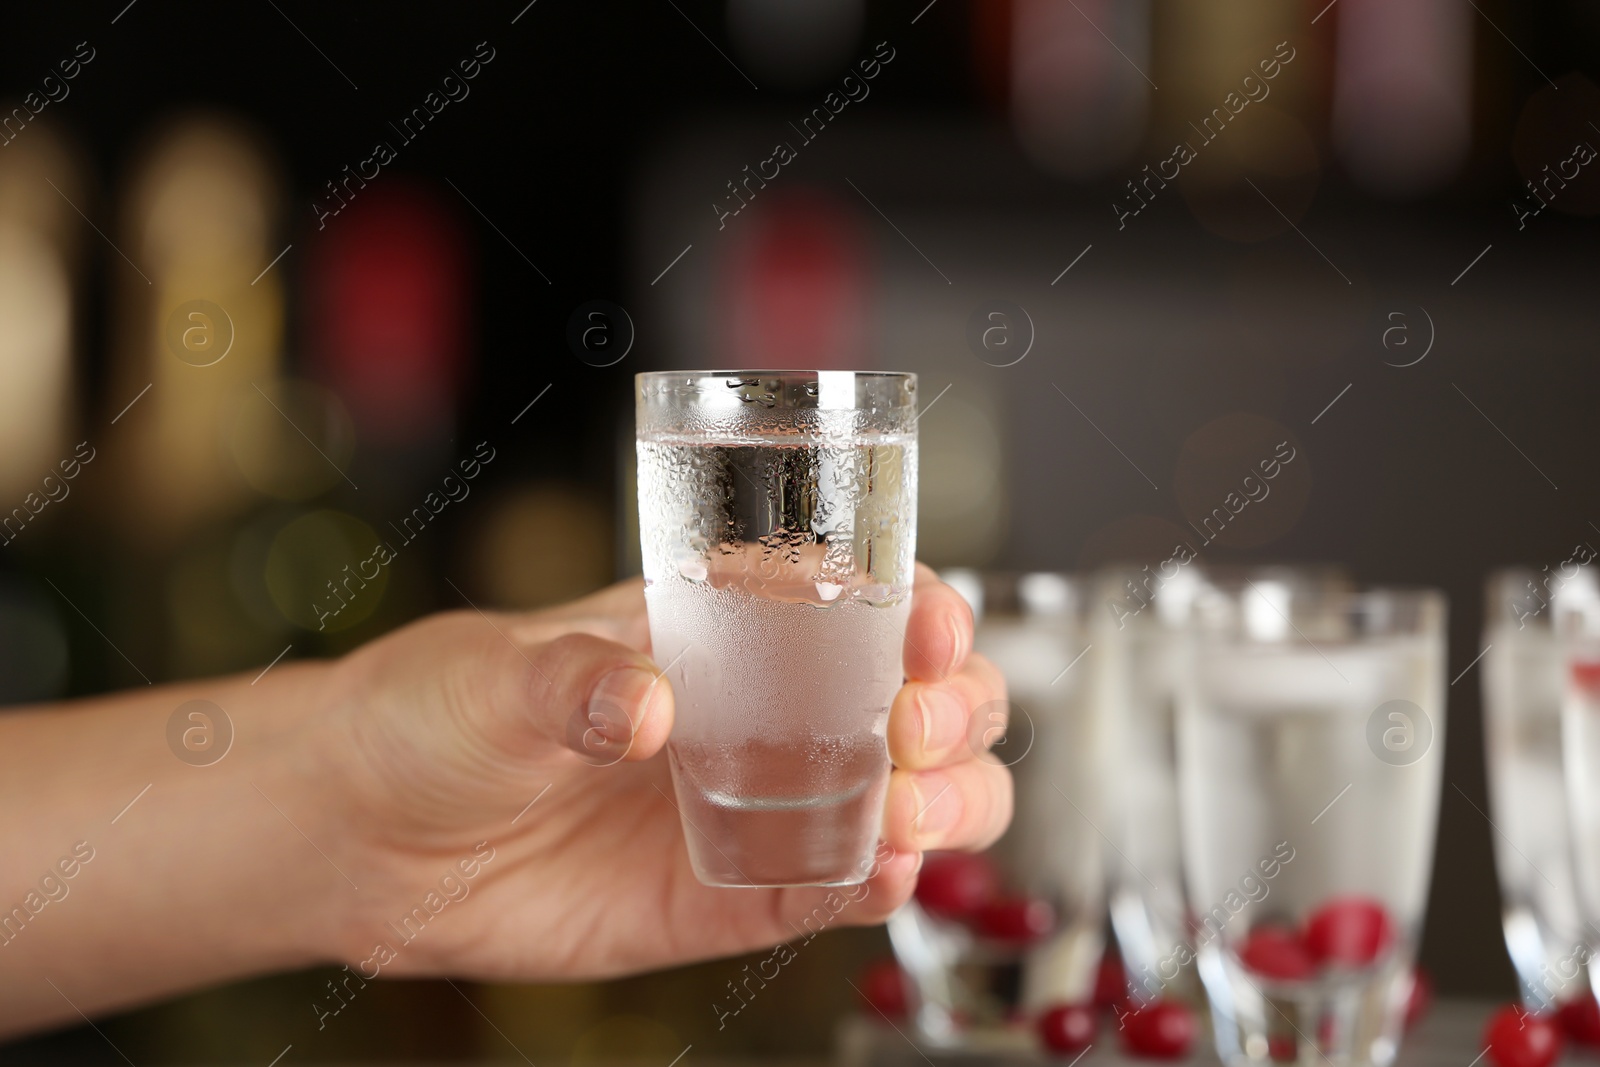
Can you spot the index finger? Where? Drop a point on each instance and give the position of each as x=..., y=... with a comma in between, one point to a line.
x=615, y=613
x=939, y=632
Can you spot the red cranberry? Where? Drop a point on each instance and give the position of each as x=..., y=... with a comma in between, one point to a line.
x=1110, y=982
x=1421, y=997
x=1580, y=1019
x=1164, y=1030
x=1067, y=1027
x=1518, y=1038
x=883, y=984
x=1276, y=952
x=1349, y=932
x=1018, y=919
x=1586, y=673
x=955, y=885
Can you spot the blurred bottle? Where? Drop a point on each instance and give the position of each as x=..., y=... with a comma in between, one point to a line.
x=1242, y=95
x=1079, y=107
x=41, y=177
x=1402, y=98
x=795, y=286
x=198, y=320
x=1208, y=50
x=388, y=292
x=195, y=419
x=41, y=239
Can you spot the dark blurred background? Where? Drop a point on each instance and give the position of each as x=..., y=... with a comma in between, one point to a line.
x=1382, y=251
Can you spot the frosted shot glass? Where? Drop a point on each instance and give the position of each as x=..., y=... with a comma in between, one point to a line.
x=777, y=519
x=1310, y=749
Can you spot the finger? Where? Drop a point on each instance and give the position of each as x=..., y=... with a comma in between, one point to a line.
x=604, y=701
x=615, y=613
x=891, y=876
x=939, y=632
x=932, y=724
x=963, y=806
x=891, y=887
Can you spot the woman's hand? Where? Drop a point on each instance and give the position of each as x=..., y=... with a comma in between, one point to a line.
x=473, y=795
x=503, y=820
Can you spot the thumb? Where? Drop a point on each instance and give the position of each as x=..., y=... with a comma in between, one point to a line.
x=602, y=700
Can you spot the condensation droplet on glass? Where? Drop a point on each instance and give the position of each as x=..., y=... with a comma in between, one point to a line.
x=692, y=566
x=875, y=593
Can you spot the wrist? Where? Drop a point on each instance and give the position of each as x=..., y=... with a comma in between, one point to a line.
x=310, y=885
x=195, y=876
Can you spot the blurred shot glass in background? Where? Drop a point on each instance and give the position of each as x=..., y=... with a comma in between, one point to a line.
x=777, y=518
x=1138, y=626
x=1577, y=627
x=1524, y=680
x=1310, y=747
x=993, y=939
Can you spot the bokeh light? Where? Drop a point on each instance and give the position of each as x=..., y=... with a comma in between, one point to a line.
x=323, y=573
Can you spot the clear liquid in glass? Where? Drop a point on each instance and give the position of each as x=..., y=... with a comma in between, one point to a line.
x=1275, y=754
x=778, y=582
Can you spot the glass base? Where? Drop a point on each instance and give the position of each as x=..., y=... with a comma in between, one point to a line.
x=707, y=880
x=1448, y=1036
x=774, y=864
x=1352, y=1020
x=771, y=843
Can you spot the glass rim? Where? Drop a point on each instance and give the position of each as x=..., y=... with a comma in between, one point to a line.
x=1427, y=606
x=1539, y=599
x=875, y=394
x=1420, y=595
x=800, y=373
x=1014, y=593
x=1497, y=578
x=1228, y=577
x=1357, y=594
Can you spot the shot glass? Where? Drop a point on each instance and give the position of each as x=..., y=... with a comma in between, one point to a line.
x=777, y=518
x=1576, y=608
x=990, y=940
x=1139, y=625
x=1136, y=627
x=1524, y=682
x=1310, y=747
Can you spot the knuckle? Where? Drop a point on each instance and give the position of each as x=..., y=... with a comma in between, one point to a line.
x=987, y=675
x=1000, y=798
x=568, y=647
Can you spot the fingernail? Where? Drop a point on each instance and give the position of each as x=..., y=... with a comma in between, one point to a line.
x=618, y=700
x=943, y=719
x=938, y=808
x=956, y=643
